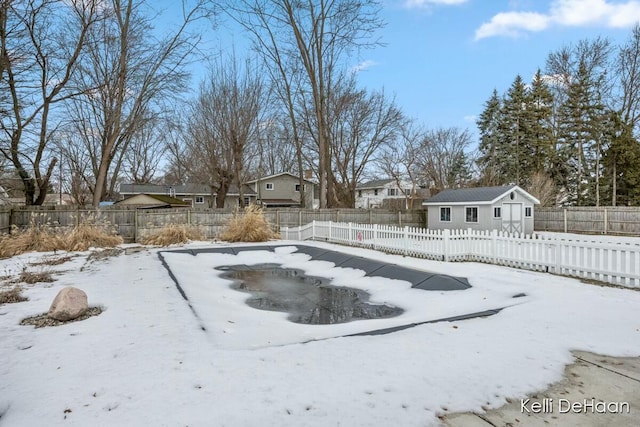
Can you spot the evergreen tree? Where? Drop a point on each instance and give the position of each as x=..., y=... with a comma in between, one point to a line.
x=514, y=144
x=542, y=141
x=621, y=175
x=490, y=137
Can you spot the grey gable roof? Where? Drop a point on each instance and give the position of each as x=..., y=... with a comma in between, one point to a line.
x=187, y=189
x=478, y=194
x=376, y=183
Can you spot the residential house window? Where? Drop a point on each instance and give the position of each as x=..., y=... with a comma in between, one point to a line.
x=445, y=214
x=497, y=212
x=471, y=214
x=407, y=191
x=528, y=211
x=199, y=200
x=392, y=192
x=359, y=193
x=247, y=201
x=375, y=192
x=269, y=185
x=298, y=187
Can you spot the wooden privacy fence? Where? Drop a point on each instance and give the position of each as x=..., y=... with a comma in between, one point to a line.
x=623, y=220
x=589, y=258
x=133, y=224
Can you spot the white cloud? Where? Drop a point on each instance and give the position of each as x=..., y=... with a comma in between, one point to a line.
x=364, y=65
x=568, y=13
x=471, y=118
x=512, y=24
x=425, y=3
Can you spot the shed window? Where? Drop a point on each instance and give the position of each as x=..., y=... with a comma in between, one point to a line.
x=471, y=214
x=497, y=212
x=445, y=214
x=199, y=200
x=527, y=211
x=269, y=186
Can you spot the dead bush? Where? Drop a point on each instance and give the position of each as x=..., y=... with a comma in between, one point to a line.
x=89, y=235
x=174, y=234
x=249, y=225
x=12, y=295
x=37, y=237
x=31, y=277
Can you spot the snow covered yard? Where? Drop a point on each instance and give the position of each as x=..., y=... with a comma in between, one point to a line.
x=146, y=360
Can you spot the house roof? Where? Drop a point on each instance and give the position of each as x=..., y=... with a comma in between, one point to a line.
x=162, y=201
x=480, y=195
x=182, y=189
x=263, y=178
x=280, y=202
x=376, y=183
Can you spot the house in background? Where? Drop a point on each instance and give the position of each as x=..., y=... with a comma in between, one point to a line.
x=197, y=195
x=282, y=190
x=506, y=208
x=153, y=201
x=371, y=194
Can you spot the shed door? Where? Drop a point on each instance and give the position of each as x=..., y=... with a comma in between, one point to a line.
x=512, y=217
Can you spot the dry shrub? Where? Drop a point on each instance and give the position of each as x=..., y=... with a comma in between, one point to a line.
x=248, y=226
x=42, y=238
x=87, y=235
x=12, y=295
x=172, y=234
x=32, y=277
x=37, y=238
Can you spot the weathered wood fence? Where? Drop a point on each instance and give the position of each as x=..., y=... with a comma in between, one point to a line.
x=589, y=257
x=132, y=224
x=622, y=220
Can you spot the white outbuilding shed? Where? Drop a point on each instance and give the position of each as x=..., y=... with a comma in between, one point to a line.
x=506, y=208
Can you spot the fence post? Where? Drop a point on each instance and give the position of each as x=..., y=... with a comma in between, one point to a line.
x=329, y=238
x=375, y=236
x=11, y=220
x=349, y=231
x=313, y=230
x=445, y=243
x=370, y=216
x=278, y=218
x=135, y=226
x=337, y=215
x=400, y=218
x=406, y=240
x=605, y=221
x=189, y=217
x=494, y=245
x=565, y=219
x=558, y=245
x=300, y=218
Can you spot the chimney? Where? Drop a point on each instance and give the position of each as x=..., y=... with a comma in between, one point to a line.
x=308, y=174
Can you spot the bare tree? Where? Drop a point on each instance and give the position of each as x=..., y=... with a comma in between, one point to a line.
x=319, y=35
x=400, y=161
x=224, y=120
x=145, y=153
x=543, y=188
x=136, y=78
x=360, y=124
x=41, y=42
x=442, y=155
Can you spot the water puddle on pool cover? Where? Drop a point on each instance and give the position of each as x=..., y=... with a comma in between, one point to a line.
x=308, y=300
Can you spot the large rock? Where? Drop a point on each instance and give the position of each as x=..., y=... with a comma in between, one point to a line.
x=69, y=304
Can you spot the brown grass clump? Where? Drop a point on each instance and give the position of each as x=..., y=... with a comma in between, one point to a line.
x=87, y=235
x=11, y=296
x=174, y=234
x=37, y=238
x=248, y=226
x=32, y=277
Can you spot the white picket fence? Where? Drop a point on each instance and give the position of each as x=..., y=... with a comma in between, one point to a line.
x=586, y=257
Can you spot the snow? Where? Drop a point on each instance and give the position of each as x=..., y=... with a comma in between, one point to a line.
x=146, y=360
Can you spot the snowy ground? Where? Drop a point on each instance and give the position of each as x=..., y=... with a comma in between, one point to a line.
x=146, y=360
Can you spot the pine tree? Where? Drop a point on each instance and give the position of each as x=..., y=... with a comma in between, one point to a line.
x=514, y=143
x=542, y=141
x=490, y=137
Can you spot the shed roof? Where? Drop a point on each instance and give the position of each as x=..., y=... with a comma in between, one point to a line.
x=482, y=195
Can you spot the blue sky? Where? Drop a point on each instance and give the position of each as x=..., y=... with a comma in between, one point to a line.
x=443, y=58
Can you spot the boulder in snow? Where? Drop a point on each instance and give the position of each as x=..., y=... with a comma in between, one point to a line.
x=69, y=304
